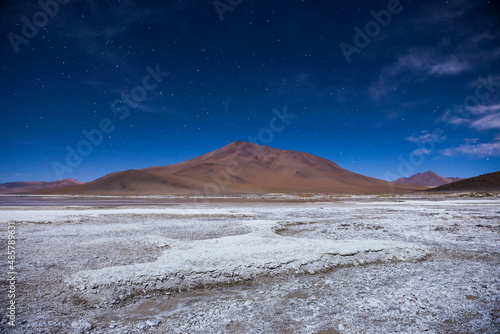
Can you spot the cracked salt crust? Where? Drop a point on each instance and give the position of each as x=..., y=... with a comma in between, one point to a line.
x=187, y=265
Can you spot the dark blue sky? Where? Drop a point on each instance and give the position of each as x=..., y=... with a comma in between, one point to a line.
x=417, y=90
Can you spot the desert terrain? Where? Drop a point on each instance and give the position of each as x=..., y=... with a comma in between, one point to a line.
x=250, y=167
x=276, y=263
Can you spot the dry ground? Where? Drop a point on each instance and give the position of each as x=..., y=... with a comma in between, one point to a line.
x=350, y=264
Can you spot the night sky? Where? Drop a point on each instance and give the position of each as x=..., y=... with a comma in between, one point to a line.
x=165, y=81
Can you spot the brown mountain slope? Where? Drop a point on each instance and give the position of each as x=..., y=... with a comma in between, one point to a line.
x=427, y=179
x=262, y=169
x=490, y=181
x=241, y=167
x=129, y=182
x=31, y=186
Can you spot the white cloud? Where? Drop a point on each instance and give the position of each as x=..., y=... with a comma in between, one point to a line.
x=476, y=150
x=450, y=66
x=484, y=36
x=481, y=109
x=428, y=62
x=481, y=117
x=425, y=137
x=488, y=122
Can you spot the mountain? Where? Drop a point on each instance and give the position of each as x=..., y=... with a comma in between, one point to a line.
x=240, y=167
x=31, y=186
x=490, y=181
x=427, y=179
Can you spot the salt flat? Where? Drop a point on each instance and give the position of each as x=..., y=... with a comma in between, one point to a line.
x=350, y=264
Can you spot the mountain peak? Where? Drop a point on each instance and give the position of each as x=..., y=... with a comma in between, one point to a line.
x=241, y=150
x=245, y=145
x=428, y=179
x=241, y=142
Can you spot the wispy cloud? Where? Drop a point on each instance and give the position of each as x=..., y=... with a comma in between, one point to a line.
x=427, y=62
x=442, y=58
x=475, y=150
x=482, y=117
x=487, y=122
x=418, y=66
x=486, y=36
x=471, y=140
x=421, y=151
x=481, y=109
x=425, y=137
x=450, y=66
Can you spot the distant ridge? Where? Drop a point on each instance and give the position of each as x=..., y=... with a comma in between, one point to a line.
x=239, y=167
x=31, y=186
x=490, y=181
x=427, y=179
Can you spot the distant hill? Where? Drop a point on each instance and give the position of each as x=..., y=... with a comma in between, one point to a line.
x=490, y=181
x=427, y=179
x=31, y=186
x=455, y=179
x=239, y=167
